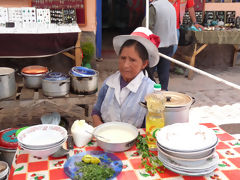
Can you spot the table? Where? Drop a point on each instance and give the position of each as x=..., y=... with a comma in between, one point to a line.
x=26, y=166
x=203, y=38
x=41, y=42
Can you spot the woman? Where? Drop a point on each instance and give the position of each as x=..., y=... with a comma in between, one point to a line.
x=119, y=97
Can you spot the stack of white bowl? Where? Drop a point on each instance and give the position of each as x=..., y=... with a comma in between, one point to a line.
x=42, y=140
x=188, y=149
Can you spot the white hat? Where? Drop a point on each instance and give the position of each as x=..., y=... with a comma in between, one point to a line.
x=143, y=35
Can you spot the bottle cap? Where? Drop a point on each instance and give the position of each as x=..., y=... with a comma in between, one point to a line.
x=157, y=86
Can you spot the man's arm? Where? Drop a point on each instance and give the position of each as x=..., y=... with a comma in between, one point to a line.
x=193, y=18
x=152, y=18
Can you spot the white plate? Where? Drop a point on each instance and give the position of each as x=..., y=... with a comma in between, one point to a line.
x=43, y=153
x=42, y=147
x=187, y=162
x=186, y=137
x=207, y=163
x=42, y=135
x=201, y=173
x=189, y=155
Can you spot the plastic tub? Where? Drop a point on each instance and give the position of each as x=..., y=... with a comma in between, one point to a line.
x=4, y=173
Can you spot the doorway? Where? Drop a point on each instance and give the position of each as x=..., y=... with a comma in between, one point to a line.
x=119, y=17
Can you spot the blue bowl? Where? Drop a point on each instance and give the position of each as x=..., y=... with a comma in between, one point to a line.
x=80, y=71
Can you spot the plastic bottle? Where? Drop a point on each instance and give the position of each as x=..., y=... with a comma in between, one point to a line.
x=155, y=118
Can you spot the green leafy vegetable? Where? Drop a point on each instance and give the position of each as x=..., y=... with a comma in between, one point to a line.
x=93, y=171
x=149, y=160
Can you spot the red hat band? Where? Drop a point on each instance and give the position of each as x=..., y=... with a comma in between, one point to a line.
x=153, y=38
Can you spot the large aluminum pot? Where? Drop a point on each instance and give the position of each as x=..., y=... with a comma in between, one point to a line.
x=84, y=83
x=177, y=107
x=7, y=82
x=32, y=76
x=117, y=136
x=55, y=84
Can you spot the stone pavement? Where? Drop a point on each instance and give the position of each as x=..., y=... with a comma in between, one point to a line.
x=215, y=102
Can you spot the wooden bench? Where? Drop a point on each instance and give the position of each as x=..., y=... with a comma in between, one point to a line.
x=29, y=97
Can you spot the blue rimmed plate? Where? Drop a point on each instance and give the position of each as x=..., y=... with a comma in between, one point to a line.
x=56, y=76
x=108, y=159
x=80, y=71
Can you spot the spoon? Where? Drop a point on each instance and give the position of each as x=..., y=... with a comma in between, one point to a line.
x=106, y=139
x=60, y=153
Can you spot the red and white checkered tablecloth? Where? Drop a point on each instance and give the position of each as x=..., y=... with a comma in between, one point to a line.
x=26, y=166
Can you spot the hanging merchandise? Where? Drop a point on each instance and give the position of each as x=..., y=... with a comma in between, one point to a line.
x=43, y=16
x=3, y=15
x=74, y=10
x=237, y=22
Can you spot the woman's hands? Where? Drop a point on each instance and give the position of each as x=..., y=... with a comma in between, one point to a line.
x=96, y=120
x=199, y=27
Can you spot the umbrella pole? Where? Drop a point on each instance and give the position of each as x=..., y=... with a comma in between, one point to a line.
x=200, y=71
x=147, y=14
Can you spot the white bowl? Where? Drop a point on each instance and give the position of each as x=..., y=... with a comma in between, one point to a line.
x=43, y=153
x=42, y=147
x=183, y=161
x=4, y=173
x=118, y=136
x=186, y=137
x=42, y=135
x=189, y=155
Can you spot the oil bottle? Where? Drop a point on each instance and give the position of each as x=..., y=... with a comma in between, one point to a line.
x=155, y=118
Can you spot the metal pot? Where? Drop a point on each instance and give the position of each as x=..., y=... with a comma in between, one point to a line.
x=32, y=81
x=7, y=82
x=7, y=155
x=115, y=147
x=32, y=76
x=8, y=146
x=84, y=84
x=55, y=84
x=176, y=108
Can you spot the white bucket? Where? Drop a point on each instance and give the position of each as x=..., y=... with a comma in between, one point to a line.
x=4, y=173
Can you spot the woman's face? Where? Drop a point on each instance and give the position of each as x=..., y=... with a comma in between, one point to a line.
x=130, y=64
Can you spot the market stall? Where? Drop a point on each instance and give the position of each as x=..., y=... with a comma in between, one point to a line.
x=23, y=44
x=128, y=163
x=38, y=31
x=221, y=26
x=203, y=38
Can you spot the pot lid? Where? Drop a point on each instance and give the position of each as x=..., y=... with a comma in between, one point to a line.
x=6, y=70
x=35, y=69
x=8, y=138
x=55, y=76
x=82, y=71
x=176, y=99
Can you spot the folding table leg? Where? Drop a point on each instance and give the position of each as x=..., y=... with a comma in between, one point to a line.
x=78, y=52
x=236, y=51
x=192, y=60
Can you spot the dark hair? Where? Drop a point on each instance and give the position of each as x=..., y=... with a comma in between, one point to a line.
x=142, y=52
